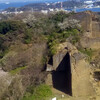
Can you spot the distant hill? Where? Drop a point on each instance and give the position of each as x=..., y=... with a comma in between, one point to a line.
x=71, y=4
x=46, y=6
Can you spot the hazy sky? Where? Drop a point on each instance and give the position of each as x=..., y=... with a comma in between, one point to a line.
x=4, y=1
x=22, y=0
x=16, y=0
x=28, y=0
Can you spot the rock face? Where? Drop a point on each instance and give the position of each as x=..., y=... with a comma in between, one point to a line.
x=95, y=29
x=90, y=23
x=81, y=85
x=93, y=43
x=72, y=72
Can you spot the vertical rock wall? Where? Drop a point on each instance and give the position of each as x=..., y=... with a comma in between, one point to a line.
x=81, y=85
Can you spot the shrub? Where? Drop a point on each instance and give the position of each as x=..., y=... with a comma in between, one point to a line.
x=69, y=24
x=58, y=17
x=7, y=26
x=3, y=48
x=75, y=39
x=17, y=70
x=52, y=43
x=55, y=38
x=28, y=36
x=52, y=47
x=44, y=60
x=2, y=53
x=41, y=92
x=88, y=52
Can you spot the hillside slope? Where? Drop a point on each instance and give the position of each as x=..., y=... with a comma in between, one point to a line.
x=30, y=41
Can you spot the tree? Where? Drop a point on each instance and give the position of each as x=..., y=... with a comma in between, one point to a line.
x=69, y=23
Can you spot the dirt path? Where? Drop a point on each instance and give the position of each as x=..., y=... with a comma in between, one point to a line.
x=62, y=96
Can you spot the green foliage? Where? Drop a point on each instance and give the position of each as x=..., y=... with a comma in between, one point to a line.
x=17, y=70
x=27, y=40
x=59, y=17
x=52, y=43
x=55, y=38
x=30, y=97
x=30, y=90
x=28, y=36
x=3, y=48
x=88, y=52
x=70, y=32
x=75, y=39
x=52, y=47
x=8, y=26
x=44, y=60
x=2, y=53
x=41, y=92
x=1, y=40
x=74, y=33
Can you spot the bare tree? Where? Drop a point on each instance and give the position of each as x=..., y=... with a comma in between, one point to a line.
x=69, y=23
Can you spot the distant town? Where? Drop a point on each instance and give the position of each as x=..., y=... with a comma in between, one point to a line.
x=45, y=8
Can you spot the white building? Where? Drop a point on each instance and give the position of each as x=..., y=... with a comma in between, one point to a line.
x=88, y=2
x=44, y=11
x=51, y=9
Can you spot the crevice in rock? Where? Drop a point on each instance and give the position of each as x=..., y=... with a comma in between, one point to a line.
x=50, y=62
x=61, y=77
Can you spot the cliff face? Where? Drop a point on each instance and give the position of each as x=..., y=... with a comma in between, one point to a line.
x=95, y=28
x=90, y=23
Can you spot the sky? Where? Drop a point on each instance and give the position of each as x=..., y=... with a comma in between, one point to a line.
x=28, y=0
x=18, y=3
x=16, y=0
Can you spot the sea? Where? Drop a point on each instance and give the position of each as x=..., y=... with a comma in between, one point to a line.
x=84, y=9
x=91, y=9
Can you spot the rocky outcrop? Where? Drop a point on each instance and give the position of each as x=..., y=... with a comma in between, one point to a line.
x=93, y=43
x=79, y=73
x=81, y=84
x=90, y=23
